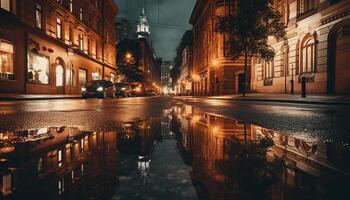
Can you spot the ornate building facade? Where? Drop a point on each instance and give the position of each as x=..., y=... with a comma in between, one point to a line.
x=184, y=85
x=317, y=48
x=56, y=46
x=214, y=73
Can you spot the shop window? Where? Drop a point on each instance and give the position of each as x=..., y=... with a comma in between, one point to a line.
x=82, y=77
x=6, y=60
x=112, y=77
x=308, y=54
x=5, y=4
x=38, y=68
x=59, y=28
x=38, y=15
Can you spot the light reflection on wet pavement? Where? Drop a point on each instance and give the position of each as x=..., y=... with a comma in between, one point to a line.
x=184, y=154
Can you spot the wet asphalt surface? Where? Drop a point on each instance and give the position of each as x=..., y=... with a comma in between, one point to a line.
x=319, y=122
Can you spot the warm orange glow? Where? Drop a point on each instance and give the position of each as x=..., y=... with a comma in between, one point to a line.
x=128, y=56
x=215, y=62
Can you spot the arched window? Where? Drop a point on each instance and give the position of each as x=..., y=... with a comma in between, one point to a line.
x=307, y=63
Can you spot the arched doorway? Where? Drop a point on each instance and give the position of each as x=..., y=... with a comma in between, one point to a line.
x=60, y=76
x=338, y=56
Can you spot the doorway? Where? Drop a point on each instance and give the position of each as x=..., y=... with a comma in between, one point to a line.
x=59, y=79
x=240, y=83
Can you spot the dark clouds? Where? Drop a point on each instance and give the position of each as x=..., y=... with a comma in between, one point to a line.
x=168, y=20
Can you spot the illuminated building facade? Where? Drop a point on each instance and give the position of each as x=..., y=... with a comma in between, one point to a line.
x=143, y=29
x=55, y=47
x=317, y=48
x=214, y=72
x=184, y=85
x=165, y=76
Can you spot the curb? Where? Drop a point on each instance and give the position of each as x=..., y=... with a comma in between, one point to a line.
x=280, y=101
x=35, y=98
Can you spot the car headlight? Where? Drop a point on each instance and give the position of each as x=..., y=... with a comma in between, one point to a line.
x=100, y=89
x=123, y=89
x=83, y=89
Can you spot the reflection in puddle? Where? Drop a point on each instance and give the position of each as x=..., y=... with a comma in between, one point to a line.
x=184, y=154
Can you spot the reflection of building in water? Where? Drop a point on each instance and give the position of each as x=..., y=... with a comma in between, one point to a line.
x=165, y=126
x=310, y=166
x=58, y=163
x=138, y=138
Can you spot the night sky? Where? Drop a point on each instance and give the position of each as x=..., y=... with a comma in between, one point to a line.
x=168, y=21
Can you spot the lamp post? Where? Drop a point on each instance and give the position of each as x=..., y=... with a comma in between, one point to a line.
x=292, y=81
x=70, y=53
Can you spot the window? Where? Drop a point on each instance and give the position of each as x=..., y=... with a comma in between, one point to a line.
x=268, y=69
x=38, y=68
x=88, y=46
x=96, y=75
x=60, y=1
x=81, y=14
x=59, y=158
x=59, y=28
x=38, y=15
x=285, y=59
x=81, y=42
x=82, y=77
x=307, y=5
x=308, y=54
x=70, y=78
x=71, y=6
x=5, y=4
x=6, y=60
x=70, y=35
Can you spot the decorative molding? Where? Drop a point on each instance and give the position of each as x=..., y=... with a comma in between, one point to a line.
x=335, y=17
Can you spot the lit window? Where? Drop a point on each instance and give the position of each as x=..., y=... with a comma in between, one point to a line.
x=38, y=15
x=81, y=42
x=61, y=186
x=82, y=77
x=71, y=6
x=6, y=60
x=70, y=35
x=81, y=14
x=5, y=4
x=308, y=55
x=59, y=158
x=38, y=68
x=59, y=28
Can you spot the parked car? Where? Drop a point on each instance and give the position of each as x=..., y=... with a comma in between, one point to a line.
x=98, y=88
x=123, y=90
x=150, y=93
x=137, y=90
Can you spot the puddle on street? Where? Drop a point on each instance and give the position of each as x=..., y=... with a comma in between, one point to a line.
x=184, y=154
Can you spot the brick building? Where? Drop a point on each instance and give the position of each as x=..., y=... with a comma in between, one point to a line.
x=55, y=46
x=214, y=73
x=318, y=48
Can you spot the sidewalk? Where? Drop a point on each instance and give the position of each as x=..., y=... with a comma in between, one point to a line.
x=286, y=98
x=26, y=97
